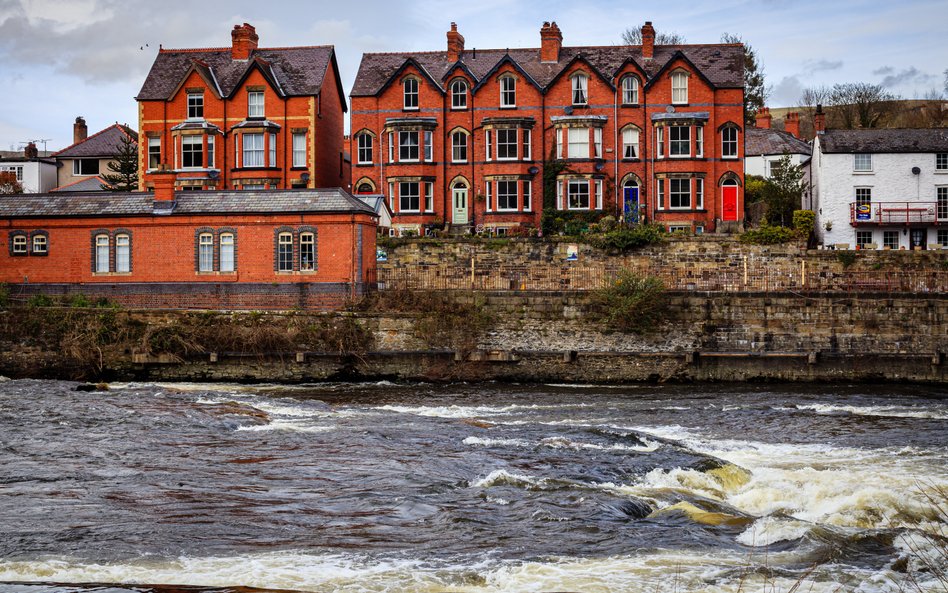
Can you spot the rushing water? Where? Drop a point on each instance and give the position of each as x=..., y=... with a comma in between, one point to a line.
x=473, y=488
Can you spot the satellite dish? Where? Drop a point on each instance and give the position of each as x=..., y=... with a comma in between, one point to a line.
x=916, y=170
x=533, y=170
x=304, y=177
x=213, y=174
x=670, y=109
x=600, y=165
x=568, y=110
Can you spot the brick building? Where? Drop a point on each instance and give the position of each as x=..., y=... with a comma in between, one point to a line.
x=244, y=117
x=463, y=137
x=275, y=249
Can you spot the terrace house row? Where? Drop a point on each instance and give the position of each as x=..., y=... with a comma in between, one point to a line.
x=244, y=117
x=462, y=137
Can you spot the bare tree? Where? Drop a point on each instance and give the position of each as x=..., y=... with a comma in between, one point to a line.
x=860, y=104
x=633, y=36
x=755, y=91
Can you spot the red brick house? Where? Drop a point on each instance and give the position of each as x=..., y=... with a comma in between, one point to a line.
x=275, y=249
x=244, y=117
x=463, y=137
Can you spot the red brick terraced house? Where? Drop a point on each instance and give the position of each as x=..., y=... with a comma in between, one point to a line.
x=462, y=137
x=244, y=117
x=274, y=249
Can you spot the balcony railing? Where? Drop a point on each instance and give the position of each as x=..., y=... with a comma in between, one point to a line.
x=898, y=213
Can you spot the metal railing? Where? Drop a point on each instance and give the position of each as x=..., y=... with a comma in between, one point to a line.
x=898, y=213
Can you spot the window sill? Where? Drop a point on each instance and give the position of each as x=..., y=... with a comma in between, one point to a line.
x=459, y=109
x=630, y=105
x=252, y=169
x=729, y=158
x=410, y=109
x=631, y=160
x=365, y=164
x=300, y=168
x=863, y=172
x=24, y=254
x=508, y=107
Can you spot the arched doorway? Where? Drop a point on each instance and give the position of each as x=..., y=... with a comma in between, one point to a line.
x=631, y=211
x=729, y=201
x=459, y=201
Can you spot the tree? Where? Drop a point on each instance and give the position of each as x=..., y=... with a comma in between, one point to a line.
x=9, y=184
x=124, y=167
x=755, y=91
x=784, y=191
x=860, y=104
x=633, y=36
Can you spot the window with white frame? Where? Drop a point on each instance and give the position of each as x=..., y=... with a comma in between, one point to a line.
x=273, y=151
x=679, y=84
x=299, y=149
x=941, y=161
x=660, y=142
x=941, y=195
x=307, y=252
x=227, y=259
x=559, y=143
x=19, y=246
x=942, y=238
x=679, y=194
x=101, y=253
x=407, y=146
x=863, y=196
x=699, y=141
x=527, y=195
x=123, y=254
x=429, y=196
x=85, y=167
x=580, y=89
x=679, y=141
x=459, y=147
x=699, y=193
x=660, y=187
x=17, y=171
x=863, y=238
x=488, y=144
x=527, y=148
x=285, y=252
x=506, y=195
x=192, y=151
x=729, y=142
x=154, y=153
x=206, y=252
x=578, y=144
x=862, y=162
x=508, y=91
x=429, y=145
x=391, y=147
x=890, y=239
x=507, y=144
x=597, y=184
x=630, y=90
x=253, y=150
x=577, y=194
x=597, y=143
x=364, y=149
x=195, y=106
x=410, y=95
x=210, y=152
x=408, y=196
x=40, y=245
x=459, y=94
x=255, y=104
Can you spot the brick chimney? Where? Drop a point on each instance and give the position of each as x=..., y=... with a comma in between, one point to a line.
x=455, y=44
x=763, y=118
x=30, y=151
x=819, y=120
x=243, y=41
x=164, y=179
x=551, y=40
x=648, y=40
x=791, y=123
x=79, y=130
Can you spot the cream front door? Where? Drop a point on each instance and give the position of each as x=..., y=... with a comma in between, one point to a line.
x=460, y=205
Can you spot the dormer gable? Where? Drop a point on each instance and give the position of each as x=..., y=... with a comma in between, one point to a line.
x=203, y=70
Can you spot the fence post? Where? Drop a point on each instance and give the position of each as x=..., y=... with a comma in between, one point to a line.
x=472, y=271
x=803, y=273
x=745, y=272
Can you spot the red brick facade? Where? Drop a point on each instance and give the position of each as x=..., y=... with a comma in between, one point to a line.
x=675, y=160
x=244, y=117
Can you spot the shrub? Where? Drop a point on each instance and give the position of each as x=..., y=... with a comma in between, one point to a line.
x=575, y=227
x=625, y=239
x=608, y=223
x=4, y=295
x=77, y=300
x=767, y=234
x=847, y=258
x=40, y=300
x=633, y=303
x=804, y=221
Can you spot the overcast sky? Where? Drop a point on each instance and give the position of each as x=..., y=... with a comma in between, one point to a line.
x=64, y=58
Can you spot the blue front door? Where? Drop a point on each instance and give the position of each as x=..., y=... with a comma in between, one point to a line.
x=631, y=208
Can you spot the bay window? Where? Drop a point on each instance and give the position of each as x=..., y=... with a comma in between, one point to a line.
x=506, y=144
x=577, y=143
x=506, y=195
x=679, y=141
x=273, y=151
x=192, y=151
x=154, y=153
x=577, y=194
x=679, y=193
x=253, y=150
x=407, y=146
x=408, y=197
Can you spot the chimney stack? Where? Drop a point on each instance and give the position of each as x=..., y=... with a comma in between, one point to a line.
x=791, y=123
x=243, y=41
x=30, y=151
x=79, y=130
x=763, y=118
x=648, y=40
x=164, y=179
x=551, y=40
x=455, y=44
x=819, y=120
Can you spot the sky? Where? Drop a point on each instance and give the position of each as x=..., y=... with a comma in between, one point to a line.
x=60, y=59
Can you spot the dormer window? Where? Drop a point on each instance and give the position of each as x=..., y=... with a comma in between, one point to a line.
x=411, y=93
x=255, y=104
x=679, y=83
x=508, y=91
x=195, y=106
x=630, y=90
x=459, y=94
x=580, y=89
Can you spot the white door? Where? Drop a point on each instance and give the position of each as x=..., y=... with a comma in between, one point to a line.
x=460, y=205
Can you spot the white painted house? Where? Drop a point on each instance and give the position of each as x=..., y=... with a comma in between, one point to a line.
x=35, y=173
x=879, y=189
x=764, y=145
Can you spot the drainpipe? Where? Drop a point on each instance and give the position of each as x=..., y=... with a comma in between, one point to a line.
x=615, y=148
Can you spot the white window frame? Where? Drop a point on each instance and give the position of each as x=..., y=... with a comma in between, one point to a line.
x=598, y=185
x=699, y=141
x=487, y=188
x=227, y=246
x=660, y=142
x=252, y=154
x=410, y=94
x=285, y=252
x=459, y=146
x=402, y=195
x=206, y=252
x=459, y=94
x=729, y=148
x=630, y=140
x=941, y=202
x=488, y=144
x=597, y=143
x=527, y=195
x=570, y=183
x=504, y=140
x=888, y=235
x=672, y=194
x=188, y=144
x=660, y=192
x=559, y=143
x=675, y=145
x=508, y=195
x=391, y=147
x=699, y=193
x=20, y=245
x=862, y=162
x=630, y=90
x=102, y=254
x=123, y=253
x=154, y=153
x=255, y=107
x=40, y=245
x=307, y=251
x=941, y=161
x=77, y=167
x=429, y=196
x=862, y=196
x=364, y=148
x=863, y=234
x=272, y=161
x=527, y=144
x=402, y=145
x=580, y=89
x=679, y=88
x=195, y=106
x=429, y=146
x=577, y=141
x=210, y=152
x=299, y=149
x=508, y=92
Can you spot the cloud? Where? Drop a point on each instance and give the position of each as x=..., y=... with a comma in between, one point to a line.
x=883, y=71
x=787, y=92
x=911, y=76
x=822, y=65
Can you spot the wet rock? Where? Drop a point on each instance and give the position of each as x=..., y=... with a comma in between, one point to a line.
x=635, y=508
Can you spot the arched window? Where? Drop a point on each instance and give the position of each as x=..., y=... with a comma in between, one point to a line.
x=729, y=142
x=365, y=186
x=411, y=93
x=39, y=245
x=364, y=142
x=123, y=253
x=459, y=94
x=102, y=254
x=206, y=252
x=307, y=252
x=459, y=147
x=679, y=85
x=508, y=91
x=580, y=89
x=285, y=252
x=630, y=142
x=630, y=90
x=228, y=261
x=19, y=244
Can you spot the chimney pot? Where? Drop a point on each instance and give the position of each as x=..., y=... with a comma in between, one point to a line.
x=243, y=41
x=79, y=130
x=819, y=120
x=648, y=40
x=455, y=44
x=763, y=118
x=551, y=40
x=30, y=151
x=791, y=123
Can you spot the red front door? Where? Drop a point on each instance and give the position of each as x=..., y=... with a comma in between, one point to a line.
x=729, y=208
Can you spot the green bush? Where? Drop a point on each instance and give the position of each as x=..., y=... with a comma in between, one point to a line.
x=633, y=303
x=40, y=300
x=768, y=234
x=575, y=227
x=608, y=223
x=847, y=258
x=4, y=295
x=77, y=300
x=625, y=239
x=804, y=221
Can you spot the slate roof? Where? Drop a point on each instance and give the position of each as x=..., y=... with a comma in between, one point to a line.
x=722, y=64
x=186, y=203
x=885, y=140
x=102, y=144
x=298, y=71
x=83, y=185
x=768, y=141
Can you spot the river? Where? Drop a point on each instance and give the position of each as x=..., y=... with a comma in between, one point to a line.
x=474, y=488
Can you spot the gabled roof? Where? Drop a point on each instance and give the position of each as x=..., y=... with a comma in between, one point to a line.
x=721, y=64
x=88, y=184
x=884, y=140
x=298, y=71
x=102, y=144
x=332, y=200
x=768, y=141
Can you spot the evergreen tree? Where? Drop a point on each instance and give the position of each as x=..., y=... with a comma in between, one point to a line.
x=784, y=192
x=755, y=91
x=124, y=167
